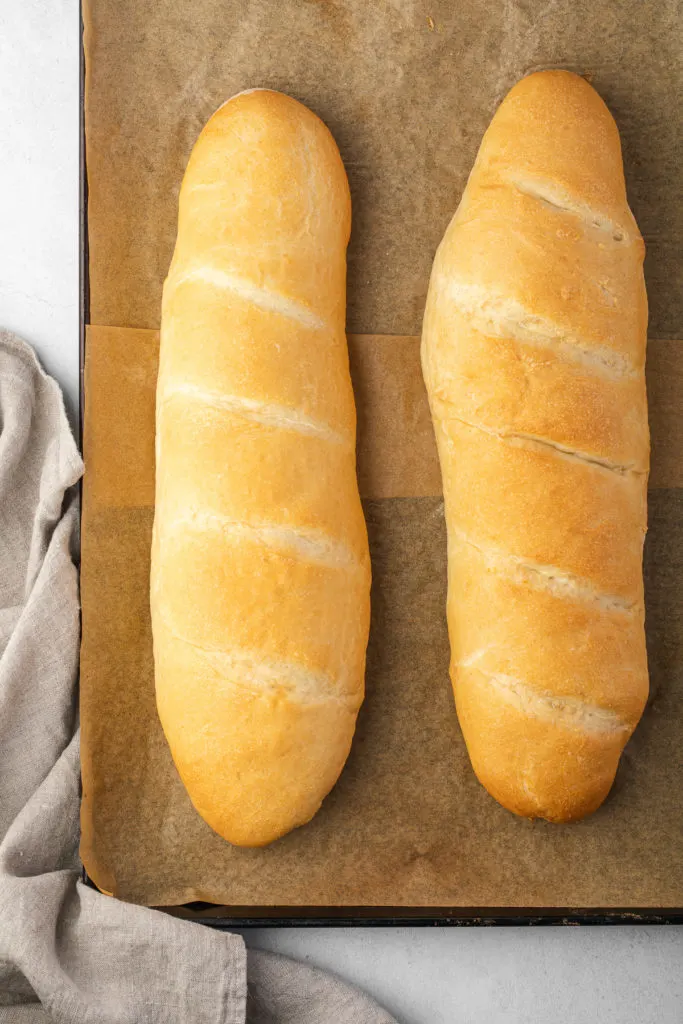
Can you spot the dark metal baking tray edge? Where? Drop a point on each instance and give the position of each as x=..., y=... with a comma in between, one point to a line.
x=459, y=917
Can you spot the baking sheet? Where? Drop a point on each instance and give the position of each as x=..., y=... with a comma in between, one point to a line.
x=407, y=90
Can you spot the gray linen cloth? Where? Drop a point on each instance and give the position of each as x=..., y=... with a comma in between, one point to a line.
x=67, y=953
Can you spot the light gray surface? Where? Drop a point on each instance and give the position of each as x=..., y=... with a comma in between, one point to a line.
x=425, y=976
x=39, y=194
x=614, y=975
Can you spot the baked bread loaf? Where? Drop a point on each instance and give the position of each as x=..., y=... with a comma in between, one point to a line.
x=533, y=354
x=260, y=567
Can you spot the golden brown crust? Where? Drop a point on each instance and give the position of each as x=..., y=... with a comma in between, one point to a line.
x=260, y=564
x=533, y=355
x=533, y=390
x=301, y=748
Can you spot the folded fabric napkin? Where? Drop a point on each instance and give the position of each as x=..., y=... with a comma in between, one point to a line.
x=67, y=953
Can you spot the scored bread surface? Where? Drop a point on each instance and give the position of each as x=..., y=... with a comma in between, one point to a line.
x=260, y=566
x=533, y=355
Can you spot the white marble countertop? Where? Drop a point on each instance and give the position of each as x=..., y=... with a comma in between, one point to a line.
x=618, y=975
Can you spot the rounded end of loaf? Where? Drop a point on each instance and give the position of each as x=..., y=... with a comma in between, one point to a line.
x=559, y=809
x=265, y=202
x=553, y=127
x=549, y=759
x=256, y=758
x=543, y=250
x=277, y=128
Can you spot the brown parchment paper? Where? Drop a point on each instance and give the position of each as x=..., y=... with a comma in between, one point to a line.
x=408, y=89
